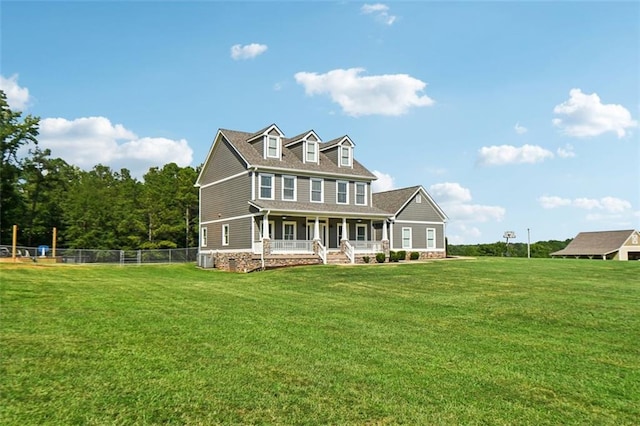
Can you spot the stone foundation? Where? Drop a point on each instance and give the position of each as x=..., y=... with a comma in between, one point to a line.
x=248, y=262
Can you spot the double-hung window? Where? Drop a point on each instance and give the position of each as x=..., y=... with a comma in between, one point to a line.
x=225, y=234
x=342, y=192
x=311, y=152
x=266, y=186
x=361, y=232
x=406, y=238
x=431, y=238
x=345, y=155
x=317, y=186
x=361, y=193
x=289, y=188
x=273, y=147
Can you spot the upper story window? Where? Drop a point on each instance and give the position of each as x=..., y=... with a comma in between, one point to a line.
x=345, y=155
x=342, y=192
x=289, y=188
x=311, y=152
x=419, y=198
x=317, y=191
x=266, y=186
x=273, y=147
x=361, y=193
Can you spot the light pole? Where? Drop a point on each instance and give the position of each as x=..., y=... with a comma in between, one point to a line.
x=528, y=244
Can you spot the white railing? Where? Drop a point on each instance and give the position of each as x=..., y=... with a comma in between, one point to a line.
x=291, y=246
x=349, y=251
x=367, y=246
x=322, y=252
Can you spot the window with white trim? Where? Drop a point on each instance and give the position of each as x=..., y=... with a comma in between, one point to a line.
x=311, y=152
x=289, y=188
x=361, y=193
x=406, y=238
x=431, y=238
x=361, y=232
x=345, y=155
x=266, y=186
x=342, y=192
x=225, y=234
x=288, y=230
x=317, y=190
x=273, y=147
x=418, y=198
x=203, y=237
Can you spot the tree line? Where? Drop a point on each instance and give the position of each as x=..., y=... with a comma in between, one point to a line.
x=499, y=249
x=97, y=209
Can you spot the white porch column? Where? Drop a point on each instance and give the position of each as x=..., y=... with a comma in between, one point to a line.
x=316, y=229
x=344, y=229
x=384, y=231
x=265, y=226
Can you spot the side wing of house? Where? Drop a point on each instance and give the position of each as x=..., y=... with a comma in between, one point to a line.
x=630, y=249
x=420, y=225
x=225, y=187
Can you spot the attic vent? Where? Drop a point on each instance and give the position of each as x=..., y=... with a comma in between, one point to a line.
x=418, y=198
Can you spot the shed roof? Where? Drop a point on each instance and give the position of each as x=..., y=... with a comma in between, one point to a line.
x=598, y=243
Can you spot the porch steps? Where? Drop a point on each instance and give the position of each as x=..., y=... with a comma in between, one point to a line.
x=337, y=258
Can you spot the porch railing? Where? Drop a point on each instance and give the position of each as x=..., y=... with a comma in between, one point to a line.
x=349, y=251
x=367, y=246
x=322, y=252
x=291, y=246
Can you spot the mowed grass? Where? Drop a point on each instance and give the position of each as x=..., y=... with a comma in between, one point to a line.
x=486, y=341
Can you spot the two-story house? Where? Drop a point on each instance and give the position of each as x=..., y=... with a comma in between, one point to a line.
x=267, y=201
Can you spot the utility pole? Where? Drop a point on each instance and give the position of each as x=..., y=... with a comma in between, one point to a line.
x=528, y=244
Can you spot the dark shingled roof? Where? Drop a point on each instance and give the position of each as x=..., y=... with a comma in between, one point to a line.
x=392, y=201
x=289, y=161
x=595, y=243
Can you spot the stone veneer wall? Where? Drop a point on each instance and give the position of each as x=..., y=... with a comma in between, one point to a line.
x=247, y=262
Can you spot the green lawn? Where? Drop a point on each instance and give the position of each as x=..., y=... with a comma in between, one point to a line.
x=486, y=341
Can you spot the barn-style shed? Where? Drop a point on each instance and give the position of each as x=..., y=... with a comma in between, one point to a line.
x=606, y=245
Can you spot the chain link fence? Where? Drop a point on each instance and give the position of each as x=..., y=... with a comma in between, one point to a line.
x=122, y=257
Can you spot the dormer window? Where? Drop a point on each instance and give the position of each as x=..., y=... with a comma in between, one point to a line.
x=345, y=156
x=311, y=152
x=273, y=147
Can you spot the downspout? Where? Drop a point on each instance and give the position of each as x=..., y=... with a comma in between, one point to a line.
x=262, y=239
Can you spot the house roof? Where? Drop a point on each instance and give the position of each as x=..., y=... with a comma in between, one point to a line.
x=290, y=161
x=595, y=243
x=393, y=201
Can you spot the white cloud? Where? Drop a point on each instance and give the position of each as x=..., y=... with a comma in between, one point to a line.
x=584, y=116
x=520, y=129
x=508, y=154
x=454, y=200
x=17, y=97
x=606, y=204
x=247, y=51
x=380, y=11
x=387, y=94
x=450, y=192
x=566, y=151
x=88, y=141
x=383, y=183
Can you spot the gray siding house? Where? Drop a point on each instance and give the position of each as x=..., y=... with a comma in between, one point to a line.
x=267, y=200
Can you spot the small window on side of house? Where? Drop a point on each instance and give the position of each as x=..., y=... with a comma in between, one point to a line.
x=418, y=198
x=225, y=234
x=203, y=237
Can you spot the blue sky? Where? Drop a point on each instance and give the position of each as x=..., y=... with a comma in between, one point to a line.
x=513, y=115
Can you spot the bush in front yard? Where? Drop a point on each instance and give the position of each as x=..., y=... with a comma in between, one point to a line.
x=393, y=256
x=402, y=255
x=380, y=257
x=366, y=259
x=414, y=255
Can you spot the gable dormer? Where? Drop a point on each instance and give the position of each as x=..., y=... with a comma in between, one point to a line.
x=306, y=147
x=268, y=142
x=340, y=151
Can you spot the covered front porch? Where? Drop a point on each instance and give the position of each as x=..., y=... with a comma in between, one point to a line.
x=324, y=236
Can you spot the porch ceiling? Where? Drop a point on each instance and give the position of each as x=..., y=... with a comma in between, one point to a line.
x=313, y=209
